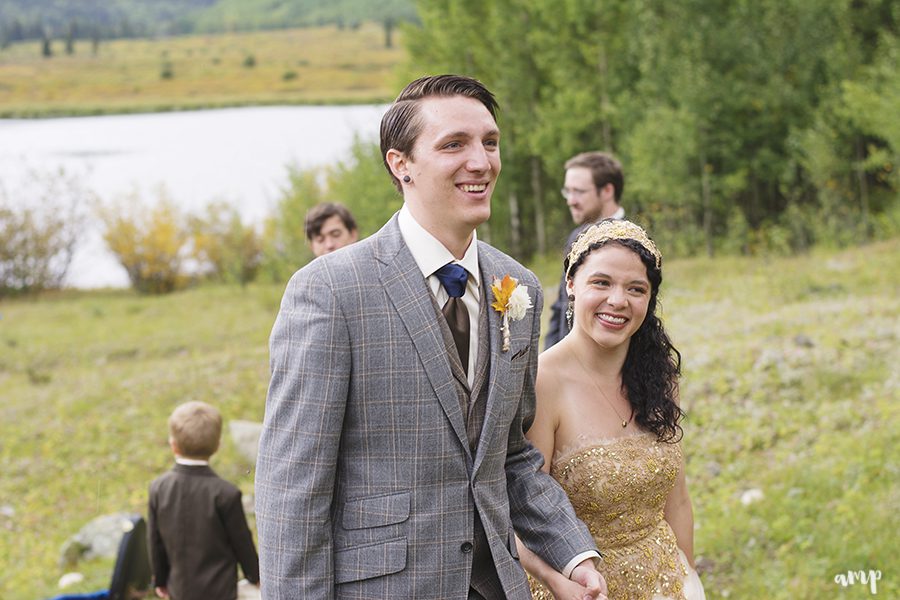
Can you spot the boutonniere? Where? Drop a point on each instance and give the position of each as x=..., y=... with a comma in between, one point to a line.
x=511, y=300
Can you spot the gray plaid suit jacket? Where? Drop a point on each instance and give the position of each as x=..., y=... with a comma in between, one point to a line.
x=366, y=486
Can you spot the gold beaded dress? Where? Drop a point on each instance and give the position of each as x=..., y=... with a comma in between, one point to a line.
x=618, y=487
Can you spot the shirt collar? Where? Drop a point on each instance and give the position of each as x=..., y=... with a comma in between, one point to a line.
x=191, y=462
x=430, y=254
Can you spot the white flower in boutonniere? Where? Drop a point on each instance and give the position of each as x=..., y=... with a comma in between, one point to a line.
x=511, y=300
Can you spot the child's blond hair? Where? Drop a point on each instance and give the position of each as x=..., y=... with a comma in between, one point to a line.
x=195, y=427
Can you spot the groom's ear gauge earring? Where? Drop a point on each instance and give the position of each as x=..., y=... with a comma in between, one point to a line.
x=406, y=179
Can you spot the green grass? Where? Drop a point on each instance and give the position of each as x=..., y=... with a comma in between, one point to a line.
x=321, y=65
x=791, y=386
x=87, y=380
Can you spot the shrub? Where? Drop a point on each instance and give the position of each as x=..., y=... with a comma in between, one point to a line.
x=363, y=185
x=38, y=232
x=151, y=243
x=227, y=249
x=284, y=235
x=360, y=183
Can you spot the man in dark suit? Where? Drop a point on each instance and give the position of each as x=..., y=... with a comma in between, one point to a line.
x=393, y=461
x=593, y=191
x=197, y=529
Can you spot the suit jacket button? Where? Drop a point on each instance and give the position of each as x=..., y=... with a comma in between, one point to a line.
x=466, y=547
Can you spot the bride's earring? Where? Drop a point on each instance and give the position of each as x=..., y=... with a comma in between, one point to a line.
x=570, y=310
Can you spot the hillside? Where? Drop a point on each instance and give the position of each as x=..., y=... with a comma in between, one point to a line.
x=33, y=19
x=109, y=19
x=790, y=385
x=288, y=66
x=235, y=15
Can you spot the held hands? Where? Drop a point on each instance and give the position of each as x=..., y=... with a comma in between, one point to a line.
x=566, y=589
x=162, y=592
x=589, y=580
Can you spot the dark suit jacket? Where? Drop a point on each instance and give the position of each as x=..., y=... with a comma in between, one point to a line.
x=198, y=534
x=558, y=328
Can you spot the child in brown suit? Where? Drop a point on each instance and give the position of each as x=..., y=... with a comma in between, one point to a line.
x=197, y=529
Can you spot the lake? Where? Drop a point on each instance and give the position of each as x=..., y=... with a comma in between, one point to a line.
x=236, y=155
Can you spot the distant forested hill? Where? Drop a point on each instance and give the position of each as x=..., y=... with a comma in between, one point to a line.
x=231, y=15
x=35, y=19
x=30, y=19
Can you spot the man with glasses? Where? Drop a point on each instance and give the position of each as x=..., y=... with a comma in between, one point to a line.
x=592, y=189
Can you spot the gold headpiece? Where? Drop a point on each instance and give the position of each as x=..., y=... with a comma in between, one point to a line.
x=612, y=229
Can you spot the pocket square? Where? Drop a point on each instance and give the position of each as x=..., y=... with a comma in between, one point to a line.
x=521, y=352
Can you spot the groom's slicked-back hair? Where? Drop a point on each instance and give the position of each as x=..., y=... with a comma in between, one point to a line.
x=401, y=124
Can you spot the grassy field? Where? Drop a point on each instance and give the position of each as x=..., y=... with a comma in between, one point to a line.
x=791, y=386
x=315, y=65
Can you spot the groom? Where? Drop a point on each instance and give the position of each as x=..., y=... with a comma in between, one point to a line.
x=392, y=462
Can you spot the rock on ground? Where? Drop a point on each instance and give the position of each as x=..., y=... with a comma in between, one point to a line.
x=99, y=538
x=245, y=435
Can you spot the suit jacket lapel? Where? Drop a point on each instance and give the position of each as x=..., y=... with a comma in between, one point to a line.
x=483, y=360
x=414, y=303
x=477, y=399
x=498, y=368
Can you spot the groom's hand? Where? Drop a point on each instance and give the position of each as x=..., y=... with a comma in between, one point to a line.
x=588, y=576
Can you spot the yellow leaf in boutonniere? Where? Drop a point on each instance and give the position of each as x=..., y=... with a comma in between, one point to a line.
x=511, y=300
x=502, y=289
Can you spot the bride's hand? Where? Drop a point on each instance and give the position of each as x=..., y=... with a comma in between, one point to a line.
x=566, y=589
x=586, y=575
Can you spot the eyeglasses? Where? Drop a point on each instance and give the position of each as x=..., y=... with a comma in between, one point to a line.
x=569, y=193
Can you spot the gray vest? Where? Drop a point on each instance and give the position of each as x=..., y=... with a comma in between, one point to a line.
x=473, y=404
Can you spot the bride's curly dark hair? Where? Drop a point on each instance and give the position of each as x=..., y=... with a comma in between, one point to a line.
x=653, y=365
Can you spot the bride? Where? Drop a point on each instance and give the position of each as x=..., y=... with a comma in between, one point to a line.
x=607, y=423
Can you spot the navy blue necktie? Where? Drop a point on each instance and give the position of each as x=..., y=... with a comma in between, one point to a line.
x=454, y=278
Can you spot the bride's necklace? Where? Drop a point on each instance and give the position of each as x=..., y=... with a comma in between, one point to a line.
x=625, y=422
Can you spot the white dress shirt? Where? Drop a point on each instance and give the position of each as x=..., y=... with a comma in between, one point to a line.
x=191, y=462
x=430, y=255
